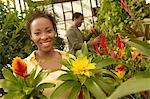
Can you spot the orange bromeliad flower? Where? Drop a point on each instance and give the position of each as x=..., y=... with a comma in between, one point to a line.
x=133, y=55
x=121, y=53
x=19, y=67
x=141, y=56
x=120, y=71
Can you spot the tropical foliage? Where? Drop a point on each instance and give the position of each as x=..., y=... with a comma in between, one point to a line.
x=116, y=67
x=105, y=75
x=14, y=40
x=79, y=76
x=124, y=16
x=20, y=85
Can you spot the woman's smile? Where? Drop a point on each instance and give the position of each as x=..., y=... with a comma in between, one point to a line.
x=45, y=44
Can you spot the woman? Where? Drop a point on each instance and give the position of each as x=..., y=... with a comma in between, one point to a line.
x=41, y=29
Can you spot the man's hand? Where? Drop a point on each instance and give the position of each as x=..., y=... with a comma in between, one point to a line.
x=95, y=40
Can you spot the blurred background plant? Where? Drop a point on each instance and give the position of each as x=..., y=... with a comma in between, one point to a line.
x=120, y=61
x=14, y=40
x=125, y=17
x=113, y=74
x=122, y=23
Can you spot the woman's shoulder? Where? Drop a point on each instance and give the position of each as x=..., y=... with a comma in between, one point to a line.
x=31, y=57
x=64, y=54
x=31, y=61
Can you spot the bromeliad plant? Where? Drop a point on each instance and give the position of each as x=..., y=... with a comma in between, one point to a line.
x=106, y=74
x=79, y=77
x=20, y=85
x=130, y=59
x=103, y=76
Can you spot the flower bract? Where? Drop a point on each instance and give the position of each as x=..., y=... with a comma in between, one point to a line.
x=82, y=66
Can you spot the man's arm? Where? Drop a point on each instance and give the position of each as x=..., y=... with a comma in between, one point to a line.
x=87, y=38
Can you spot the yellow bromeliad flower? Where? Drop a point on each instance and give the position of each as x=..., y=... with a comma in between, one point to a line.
x=82, y=66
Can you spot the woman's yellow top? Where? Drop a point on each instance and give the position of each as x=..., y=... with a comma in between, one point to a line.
x=52, y=77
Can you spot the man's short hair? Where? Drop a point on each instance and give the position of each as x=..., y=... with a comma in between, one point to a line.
x=76, y=15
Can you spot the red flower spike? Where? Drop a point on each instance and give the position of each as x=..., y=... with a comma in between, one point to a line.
x=119, y=42
x=122, y=45
x=103, y=41
x=106, y=51
x=97, y=48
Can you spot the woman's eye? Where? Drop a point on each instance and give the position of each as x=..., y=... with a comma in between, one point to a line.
x=37, y=33
x=50, y=30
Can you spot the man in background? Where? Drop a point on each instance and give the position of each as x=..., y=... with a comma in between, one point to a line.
x=75, y=36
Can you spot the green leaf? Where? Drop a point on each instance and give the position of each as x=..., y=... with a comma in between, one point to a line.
x=131, y=86
x=85, y=50
x=8, y=96
x=68, y=76
x=8, y=75
x=27, y=90
x=141, y=46
x=79, y=53
x=142, y=74
x=41, y=75
x=97, y=59
x=62, y=88
x=105, y=71
x=9, y=85
x=86, y=93
x=94, y=89
x=14, y=95
x=74, y=92
x=65, y=62
x=21, y=81
x=30, y=77
x=45, y=85
x=107, y=87
x=105, y=62
x=82, y=79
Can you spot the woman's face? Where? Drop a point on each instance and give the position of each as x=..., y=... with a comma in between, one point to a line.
x=42, y=33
